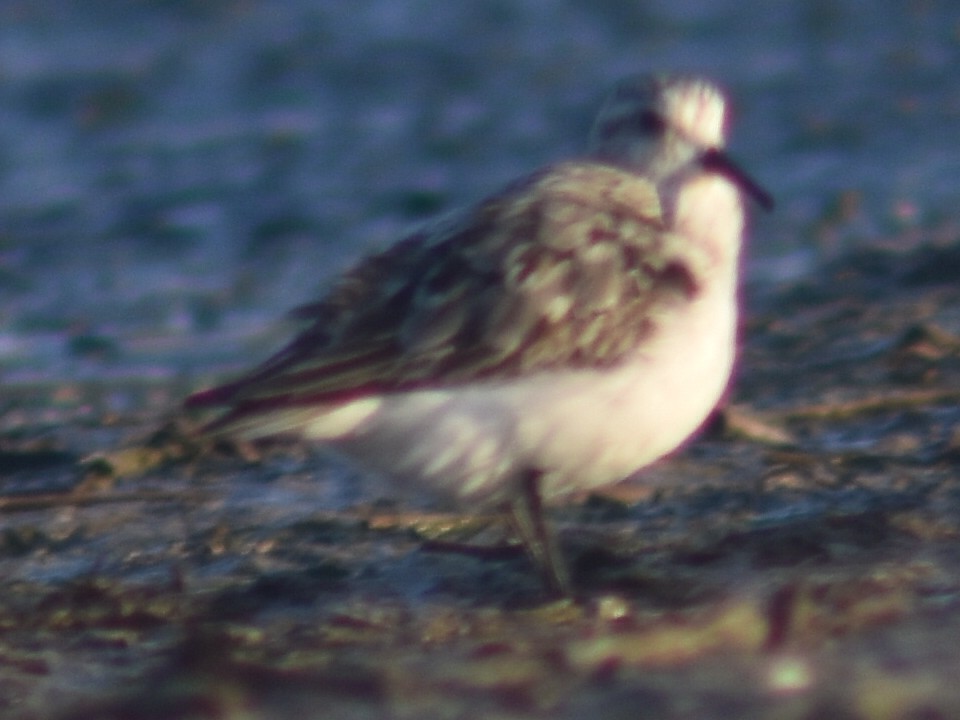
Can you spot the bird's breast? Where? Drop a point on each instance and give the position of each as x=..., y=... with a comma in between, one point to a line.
x=581, y=428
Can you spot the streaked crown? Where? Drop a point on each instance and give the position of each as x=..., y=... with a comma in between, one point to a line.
x=659, y=123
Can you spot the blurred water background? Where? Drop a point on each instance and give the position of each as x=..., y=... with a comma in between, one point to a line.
x=175, y=174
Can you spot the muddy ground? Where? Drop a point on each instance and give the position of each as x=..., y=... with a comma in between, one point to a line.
x=801, y=560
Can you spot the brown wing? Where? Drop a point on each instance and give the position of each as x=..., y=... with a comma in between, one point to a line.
x=566, y=268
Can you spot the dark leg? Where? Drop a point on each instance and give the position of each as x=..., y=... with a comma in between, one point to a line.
x=526, y=512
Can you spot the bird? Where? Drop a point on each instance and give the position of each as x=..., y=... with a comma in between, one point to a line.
x=555, y=337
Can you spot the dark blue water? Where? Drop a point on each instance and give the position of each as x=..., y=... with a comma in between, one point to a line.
x=174, y=175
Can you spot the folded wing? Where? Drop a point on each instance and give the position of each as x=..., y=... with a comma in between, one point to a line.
x=570, y=267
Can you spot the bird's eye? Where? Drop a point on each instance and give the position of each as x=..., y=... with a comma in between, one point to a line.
x=651, y=123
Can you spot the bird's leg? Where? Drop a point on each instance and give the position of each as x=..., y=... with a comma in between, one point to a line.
x=526, y=513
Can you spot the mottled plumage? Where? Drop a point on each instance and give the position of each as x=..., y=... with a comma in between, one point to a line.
x=555, y=337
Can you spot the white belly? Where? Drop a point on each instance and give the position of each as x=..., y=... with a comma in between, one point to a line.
x=582, y=429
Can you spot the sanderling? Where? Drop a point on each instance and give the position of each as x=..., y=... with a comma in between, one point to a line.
x=556, y=337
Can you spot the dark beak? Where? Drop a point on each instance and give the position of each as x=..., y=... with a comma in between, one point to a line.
x=717, y=161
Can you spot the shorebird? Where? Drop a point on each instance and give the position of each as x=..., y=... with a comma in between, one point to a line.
x=556, y=337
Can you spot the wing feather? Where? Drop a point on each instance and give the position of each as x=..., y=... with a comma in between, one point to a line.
x=569, y=267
